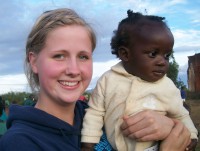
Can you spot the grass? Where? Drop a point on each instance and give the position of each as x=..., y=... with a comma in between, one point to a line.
x=197, y=149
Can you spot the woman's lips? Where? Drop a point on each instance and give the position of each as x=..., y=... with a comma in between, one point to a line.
x=69, y=83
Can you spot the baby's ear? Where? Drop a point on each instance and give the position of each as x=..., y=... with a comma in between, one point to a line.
x=123, y=53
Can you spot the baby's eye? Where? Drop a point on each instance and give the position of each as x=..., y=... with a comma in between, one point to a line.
x=59, y=56
x=152, y=54
x=167, y=56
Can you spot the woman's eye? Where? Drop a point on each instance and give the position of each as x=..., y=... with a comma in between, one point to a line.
x=152, y=54
x=83, y=57
x=59, y=56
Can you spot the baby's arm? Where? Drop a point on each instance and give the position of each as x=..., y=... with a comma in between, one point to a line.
x=187, y=121
x=93, y=120
x=176, y=110
x=179, y=112
x=92, y=126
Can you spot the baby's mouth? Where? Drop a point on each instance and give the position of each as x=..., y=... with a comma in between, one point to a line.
x=159, y=73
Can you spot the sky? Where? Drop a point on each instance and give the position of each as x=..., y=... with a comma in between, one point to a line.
x=18, y=17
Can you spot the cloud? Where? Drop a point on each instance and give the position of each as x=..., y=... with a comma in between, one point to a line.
x=189, y=37
x=18, y=17
x=183, y=69
x=13, y=83
x=99, y=68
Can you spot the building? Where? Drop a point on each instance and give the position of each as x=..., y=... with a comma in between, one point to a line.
x=193, y=73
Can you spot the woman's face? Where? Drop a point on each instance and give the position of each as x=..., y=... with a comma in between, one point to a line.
x=64, y=65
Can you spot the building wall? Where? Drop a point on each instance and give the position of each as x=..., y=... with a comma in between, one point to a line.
x=193, y=73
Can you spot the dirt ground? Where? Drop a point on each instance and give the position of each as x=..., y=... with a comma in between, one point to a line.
x=195, y=115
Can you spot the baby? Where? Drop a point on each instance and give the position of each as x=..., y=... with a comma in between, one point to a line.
x=144, y=44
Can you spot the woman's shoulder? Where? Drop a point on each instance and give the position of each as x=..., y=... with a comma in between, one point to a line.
x=81, y=105
x=14, y=141
x=80, y=108
x=103, y=145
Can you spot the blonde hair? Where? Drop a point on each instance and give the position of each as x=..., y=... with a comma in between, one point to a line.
x=46, y=23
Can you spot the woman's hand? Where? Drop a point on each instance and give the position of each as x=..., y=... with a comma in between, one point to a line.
x=177, y=140
x=147, y=125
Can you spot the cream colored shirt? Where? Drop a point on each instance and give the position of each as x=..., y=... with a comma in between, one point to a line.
x=119, y=93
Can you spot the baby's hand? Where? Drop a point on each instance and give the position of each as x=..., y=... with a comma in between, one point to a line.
x=87, y=146
x=192, y=145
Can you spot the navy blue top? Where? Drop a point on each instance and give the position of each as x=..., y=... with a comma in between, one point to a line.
x=31, y=129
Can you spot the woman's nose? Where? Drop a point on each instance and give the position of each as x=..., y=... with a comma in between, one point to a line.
x=72, y=67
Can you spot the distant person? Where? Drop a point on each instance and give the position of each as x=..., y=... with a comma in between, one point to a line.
x=4, y=110
x=7, y=105
x=1, y=105
x=144, y=44
x=183, y=96
x=30, y=101
x=183, y=93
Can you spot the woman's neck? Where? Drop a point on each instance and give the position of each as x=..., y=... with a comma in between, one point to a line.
x=64, y=112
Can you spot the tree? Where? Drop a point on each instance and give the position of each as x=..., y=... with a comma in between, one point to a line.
x=173, y=72
x=15, y=97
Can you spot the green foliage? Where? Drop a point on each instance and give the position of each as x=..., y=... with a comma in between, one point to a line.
x=15, y=97
x=87, y=95
x=173, y=72
x=180, y=84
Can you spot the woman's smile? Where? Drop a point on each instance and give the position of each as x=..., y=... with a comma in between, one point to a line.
x=68, y=83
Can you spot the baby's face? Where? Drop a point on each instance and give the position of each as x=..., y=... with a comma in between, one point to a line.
x=149, y=54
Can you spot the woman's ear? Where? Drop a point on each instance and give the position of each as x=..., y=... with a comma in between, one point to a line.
x=123, y=53
x=33, y=61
